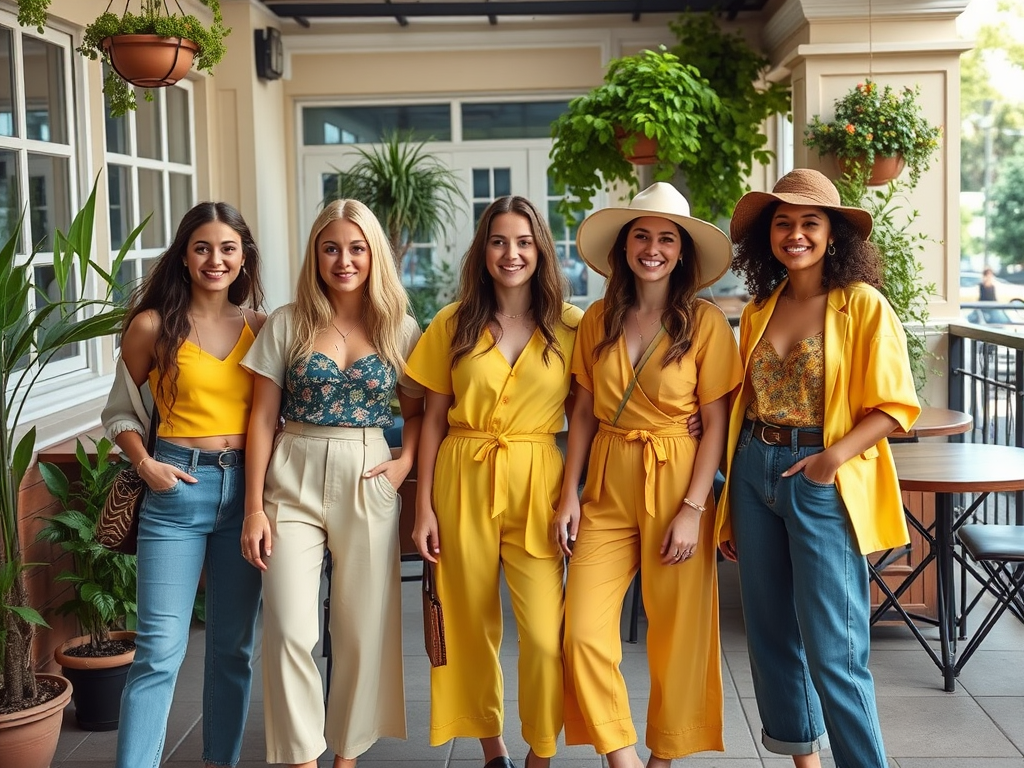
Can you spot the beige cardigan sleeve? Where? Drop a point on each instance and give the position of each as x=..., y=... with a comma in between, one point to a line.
x=128, y=407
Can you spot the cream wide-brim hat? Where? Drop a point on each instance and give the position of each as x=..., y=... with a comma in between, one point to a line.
x=802, y=186
x=596, y=235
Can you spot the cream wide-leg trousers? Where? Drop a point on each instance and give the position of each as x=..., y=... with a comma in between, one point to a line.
x=315, y=495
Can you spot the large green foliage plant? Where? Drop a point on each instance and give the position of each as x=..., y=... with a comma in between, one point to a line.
x=35, y=326
x=103, y=580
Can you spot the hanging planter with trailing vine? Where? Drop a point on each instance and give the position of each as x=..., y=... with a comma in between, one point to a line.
x=178, y=40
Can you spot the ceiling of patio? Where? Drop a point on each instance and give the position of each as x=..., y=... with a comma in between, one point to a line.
x=307, y=11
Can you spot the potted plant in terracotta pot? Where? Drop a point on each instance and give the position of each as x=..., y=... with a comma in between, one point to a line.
x=876, y=131
x=33, y=328
x=649, y=96
x=149, y=49
x=103, y=583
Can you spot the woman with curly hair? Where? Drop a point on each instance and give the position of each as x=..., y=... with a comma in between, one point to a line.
x=496, y=368
x=648, y=357
x=187, y=328
x=330, y=365
x=811, y=484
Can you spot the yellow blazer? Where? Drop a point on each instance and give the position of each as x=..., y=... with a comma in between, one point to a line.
x=866, y=367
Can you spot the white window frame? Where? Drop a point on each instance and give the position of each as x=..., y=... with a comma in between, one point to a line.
x=139, y=257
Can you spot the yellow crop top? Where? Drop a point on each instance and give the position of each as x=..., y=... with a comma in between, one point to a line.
x=214, y=396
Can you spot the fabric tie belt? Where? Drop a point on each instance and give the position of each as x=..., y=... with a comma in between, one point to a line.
x=770, y=434
x=654, y=453
x=495, y=449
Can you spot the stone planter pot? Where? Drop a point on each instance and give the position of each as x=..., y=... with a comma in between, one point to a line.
x=98, y=682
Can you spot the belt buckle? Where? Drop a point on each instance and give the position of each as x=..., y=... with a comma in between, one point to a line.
x=232, y=458
x=763, y=437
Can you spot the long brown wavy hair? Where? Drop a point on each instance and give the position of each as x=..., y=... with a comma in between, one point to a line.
x=855, y=259
x=620, y=296
x=167, y=289
x=548, y=286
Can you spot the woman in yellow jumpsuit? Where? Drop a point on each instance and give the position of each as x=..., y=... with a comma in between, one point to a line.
x=496, y=368
x=647, y=357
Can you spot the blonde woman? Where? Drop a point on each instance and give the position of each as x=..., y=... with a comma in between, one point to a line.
x=330, y=364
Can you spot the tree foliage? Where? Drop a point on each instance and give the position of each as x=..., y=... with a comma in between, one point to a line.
x=1006, y=214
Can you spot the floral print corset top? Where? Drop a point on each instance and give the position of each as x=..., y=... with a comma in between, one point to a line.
x=789, y=392
x=320, y=392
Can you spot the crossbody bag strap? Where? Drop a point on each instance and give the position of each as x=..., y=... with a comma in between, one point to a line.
x=636, y=372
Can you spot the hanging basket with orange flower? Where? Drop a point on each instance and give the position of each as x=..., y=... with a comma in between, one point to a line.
x=874, y=124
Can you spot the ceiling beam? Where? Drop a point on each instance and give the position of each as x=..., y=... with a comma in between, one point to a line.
x=313, y=10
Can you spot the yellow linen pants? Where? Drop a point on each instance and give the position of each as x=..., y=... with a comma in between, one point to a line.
x=314, y=496
x=617, y=535
x=467, y=694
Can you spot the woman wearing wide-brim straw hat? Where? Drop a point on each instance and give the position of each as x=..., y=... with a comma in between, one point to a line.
x=811, y=485
x=647, y=357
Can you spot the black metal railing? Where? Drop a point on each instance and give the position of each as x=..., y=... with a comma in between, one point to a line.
x=986, y=380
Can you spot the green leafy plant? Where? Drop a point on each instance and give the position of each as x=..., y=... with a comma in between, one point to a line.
x=871, y=121
x=31, y=333
x=439, y=285
x=735, y=141
x=651, y=94
x=103, y=580
x=153, y=18
x=900, y=248
x=412, y=193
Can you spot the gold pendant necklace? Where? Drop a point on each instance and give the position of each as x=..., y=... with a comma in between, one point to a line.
x=344, y=336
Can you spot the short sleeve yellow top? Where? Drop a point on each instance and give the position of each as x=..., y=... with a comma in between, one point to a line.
x=499, y=455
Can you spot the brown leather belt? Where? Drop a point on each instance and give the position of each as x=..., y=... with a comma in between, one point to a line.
x=770, y=434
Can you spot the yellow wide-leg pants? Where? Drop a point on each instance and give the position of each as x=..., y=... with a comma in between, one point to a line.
x=467, y=694
x=617, y=535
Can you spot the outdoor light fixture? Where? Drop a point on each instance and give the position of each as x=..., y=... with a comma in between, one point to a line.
x=269, y=53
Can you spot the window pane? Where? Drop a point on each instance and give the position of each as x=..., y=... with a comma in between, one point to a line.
x=516, y=120
x=44, y=90
x=7, y=124
x=181, y=196
x=502, y=182
x=49, y=198
x=367, y=125
x=179, y=149
x=147, y=128
x=119, y=180
x=481, y=182
x=10, y=204
x=126, y=278
x=47, y=293
x=151, y=200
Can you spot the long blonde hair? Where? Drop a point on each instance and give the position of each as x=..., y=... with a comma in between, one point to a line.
x=385, y=304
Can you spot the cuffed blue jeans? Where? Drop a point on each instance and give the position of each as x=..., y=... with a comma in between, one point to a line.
x=180, y=530
x=806, y=606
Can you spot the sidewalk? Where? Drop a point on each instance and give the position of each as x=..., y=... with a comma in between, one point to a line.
x=981, y=725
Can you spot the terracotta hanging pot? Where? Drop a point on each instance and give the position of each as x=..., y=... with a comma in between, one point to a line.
x=644, y=151
x=883, y=170
x=28, y=738
x=150, y=61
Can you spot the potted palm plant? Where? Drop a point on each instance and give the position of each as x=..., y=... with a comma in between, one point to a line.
x=31, y=333
x=413, y=194
x=875, y=133
x=149, y=49
x=103, y=583
x=649, y=96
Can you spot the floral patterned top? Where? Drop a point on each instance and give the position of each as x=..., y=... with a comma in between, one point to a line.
x=789, y=392
x=319, y=392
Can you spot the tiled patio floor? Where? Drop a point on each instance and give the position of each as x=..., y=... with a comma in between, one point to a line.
x=981, y=725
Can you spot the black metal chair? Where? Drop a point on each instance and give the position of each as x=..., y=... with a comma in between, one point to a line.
x=999, y=550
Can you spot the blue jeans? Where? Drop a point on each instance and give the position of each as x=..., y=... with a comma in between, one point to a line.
x=806, y=607
x=180, y=530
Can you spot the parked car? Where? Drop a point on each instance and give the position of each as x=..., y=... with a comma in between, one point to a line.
x=1005, y=290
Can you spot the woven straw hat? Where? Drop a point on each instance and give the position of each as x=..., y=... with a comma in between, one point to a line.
x=800, y=187
x=597, y=233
